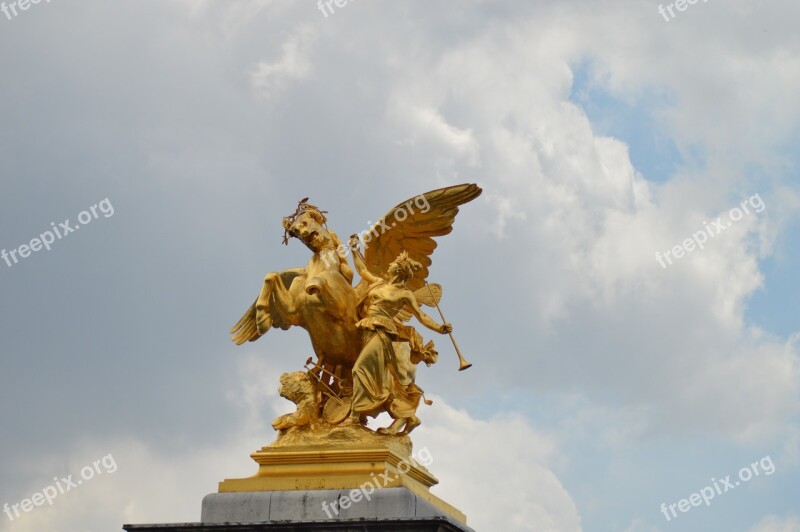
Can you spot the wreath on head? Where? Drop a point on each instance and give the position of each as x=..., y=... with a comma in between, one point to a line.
x=302, y=207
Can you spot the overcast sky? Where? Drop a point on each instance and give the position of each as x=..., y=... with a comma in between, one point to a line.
x=607, y=380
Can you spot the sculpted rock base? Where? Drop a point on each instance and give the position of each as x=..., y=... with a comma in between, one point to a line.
x=342, y=437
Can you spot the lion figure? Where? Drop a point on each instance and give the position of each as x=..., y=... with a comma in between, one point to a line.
x=298, y=388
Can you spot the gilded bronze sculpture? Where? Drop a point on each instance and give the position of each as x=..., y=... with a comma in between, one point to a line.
x=366, y=353
x=358, y=332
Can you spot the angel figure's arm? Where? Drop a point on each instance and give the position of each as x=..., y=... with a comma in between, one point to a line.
x=423, y=318
x=358, y=260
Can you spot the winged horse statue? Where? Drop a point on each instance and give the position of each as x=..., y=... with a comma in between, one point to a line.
x=321, y=298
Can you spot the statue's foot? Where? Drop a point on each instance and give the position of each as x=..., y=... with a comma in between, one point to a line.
x=387, y=431
x=411, y=425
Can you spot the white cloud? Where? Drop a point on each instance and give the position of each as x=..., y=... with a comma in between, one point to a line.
x=517, y=490
x=644, y=336
x=426, y=126
x=426, y=95
x=777, y=524
x=639, y=525
x=160, y=486
x=270, y=78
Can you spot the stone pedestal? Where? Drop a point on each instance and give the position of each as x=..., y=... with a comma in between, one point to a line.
x=345, y=480
x=430, y=524
x=387, y=509
x=253, y=507
x=357, y=472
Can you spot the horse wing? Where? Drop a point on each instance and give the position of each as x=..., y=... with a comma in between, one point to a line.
x=414, y=231
x=247, y=328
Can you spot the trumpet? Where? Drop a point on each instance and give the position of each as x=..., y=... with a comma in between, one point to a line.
x=462, y=362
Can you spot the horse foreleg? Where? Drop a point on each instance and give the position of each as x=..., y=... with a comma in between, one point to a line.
x=285, y=303
x=263, y=317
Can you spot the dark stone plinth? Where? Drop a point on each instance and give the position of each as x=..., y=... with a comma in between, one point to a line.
x=422, y=524
x=314, y=505
x=387, y=509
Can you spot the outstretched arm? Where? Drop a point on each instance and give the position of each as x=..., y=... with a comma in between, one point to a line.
x=358, y=260
x=423, y=318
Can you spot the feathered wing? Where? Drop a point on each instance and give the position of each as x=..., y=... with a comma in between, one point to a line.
x=429, y=295
x=410, y=229
x=246, y=329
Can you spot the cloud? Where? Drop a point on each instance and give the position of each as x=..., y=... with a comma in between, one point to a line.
x=777, y=524
x=551, y=277
x=270, y=78
x=587, y=224
x=518, y=489
x=639, y=525
x=157, y=485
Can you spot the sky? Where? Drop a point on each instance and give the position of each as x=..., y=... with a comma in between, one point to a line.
x=625, y=287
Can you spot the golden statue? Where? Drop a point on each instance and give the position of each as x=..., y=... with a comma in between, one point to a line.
x=355, y=331
x=366, y=355
x=372, y=378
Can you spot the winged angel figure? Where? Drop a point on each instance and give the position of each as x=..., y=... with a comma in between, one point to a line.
x=365, y=353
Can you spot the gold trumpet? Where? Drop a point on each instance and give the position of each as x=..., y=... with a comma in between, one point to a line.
x=462, y=362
